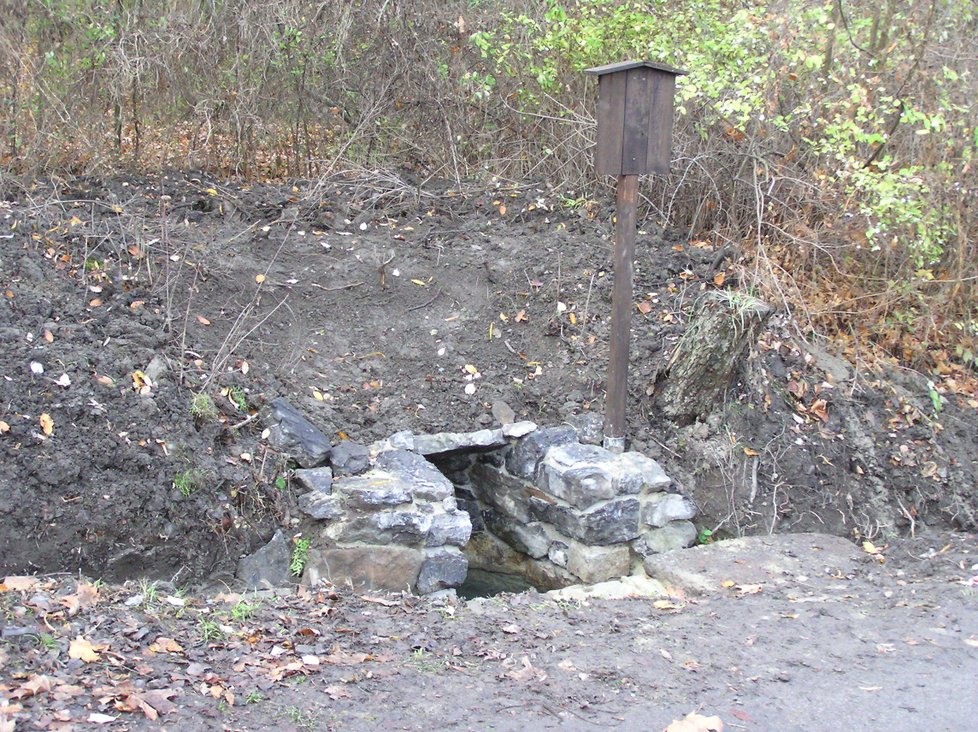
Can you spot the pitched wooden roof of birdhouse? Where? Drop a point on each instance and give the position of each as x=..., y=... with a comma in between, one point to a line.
x=626, y=65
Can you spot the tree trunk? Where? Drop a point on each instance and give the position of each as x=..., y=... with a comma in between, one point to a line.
x=722, y=329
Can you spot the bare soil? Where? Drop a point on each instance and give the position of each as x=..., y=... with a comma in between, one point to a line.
x=362, y=302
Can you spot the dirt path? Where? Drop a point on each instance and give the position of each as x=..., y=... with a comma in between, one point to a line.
x=825, y=638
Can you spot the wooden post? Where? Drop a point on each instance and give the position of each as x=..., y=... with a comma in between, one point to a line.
x=634, y=138
x=621, y=313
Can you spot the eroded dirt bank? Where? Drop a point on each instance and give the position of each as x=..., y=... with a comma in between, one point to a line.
x=146, y=321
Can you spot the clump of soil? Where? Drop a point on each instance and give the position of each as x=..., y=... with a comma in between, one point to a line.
x=146, y=322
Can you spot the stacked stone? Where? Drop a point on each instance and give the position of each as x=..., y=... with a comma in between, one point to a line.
x=395, y=526
x=398, y=515
x=388, y=524
x=581, y=507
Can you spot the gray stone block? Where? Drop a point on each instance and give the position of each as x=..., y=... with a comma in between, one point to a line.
x=453, y=528
x=374, y=490
x=495, y=487
x=526, y=454
x=269, y=566
x=675, y=535
x=451, y=441
x=589, y=427
x=443, y=568
x=349, y=458
x=557, y=553
x=661, y=508
x=638, y=473
x=371, y=567
x=293, y=434
x=320, y=505
x=518, y=429
x=421, y=479
x=598, y=563
x=531, y=538
x=579, y=474
x=407, y=528
x=316, y=479
x=610, y=523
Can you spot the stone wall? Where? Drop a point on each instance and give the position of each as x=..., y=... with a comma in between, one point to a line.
x=413, y=511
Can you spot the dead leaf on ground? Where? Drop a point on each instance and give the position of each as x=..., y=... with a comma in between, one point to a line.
x=526, y=673
x=165, y=645
x=17, y=583
x=36, y=684
x=47, y=424
x=83, y=650
x=380, y=601
x=750, y=589
x=666, y=605
x=694, y=722
x=337, y=691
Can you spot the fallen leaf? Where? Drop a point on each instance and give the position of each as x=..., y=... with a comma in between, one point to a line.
x=644, y=307
x=49, y=336
x=512, y=629
x=749, y=589
x=18, y=583
x=211, y=191
x=81, y=649
x=95, y=302
x=666, y=605
x=165, y=645
x=105, y=380
x=420, y=283
x=749, y=452
x=520, y=316
x=97, y=718
x=4, y=427
x=47, y=424
x=693, y=722
x=63, y=380
x=502, y=210
x=34, y=685
x=820, y=409
x=527, y=673
x=337, y=691
x=719, y=278
x=259, y=278
x=380, y=601
x=202, y=320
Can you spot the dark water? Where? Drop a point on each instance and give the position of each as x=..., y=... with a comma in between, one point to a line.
x=480, y=583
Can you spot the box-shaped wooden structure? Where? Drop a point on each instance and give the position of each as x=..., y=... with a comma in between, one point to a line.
x=635, y=108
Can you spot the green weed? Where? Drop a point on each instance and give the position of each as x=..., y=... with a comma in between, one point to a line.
x=300, y=555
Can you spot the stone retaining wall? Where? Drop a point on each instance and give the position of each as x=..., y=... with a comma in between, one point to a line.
x=414, y=511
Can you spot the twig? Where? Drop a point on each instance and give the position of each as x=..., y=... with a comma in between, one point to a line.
x=340, y=287
x=242, y=423
x=425, y=304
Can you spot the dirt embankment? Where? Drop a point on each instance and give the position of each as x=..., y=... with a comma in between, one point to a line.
x=145, y=321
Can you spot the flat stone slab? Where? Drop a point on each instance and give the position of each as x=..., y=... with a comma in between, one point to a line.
x=452, y=441
x=784, y=560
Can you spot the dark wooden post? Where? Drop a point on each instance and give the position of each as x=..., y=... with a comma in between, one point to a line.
x=635, y=101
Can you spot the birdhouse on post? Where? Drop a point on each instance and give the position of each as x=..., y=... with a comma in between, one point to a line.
x=635, y=101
